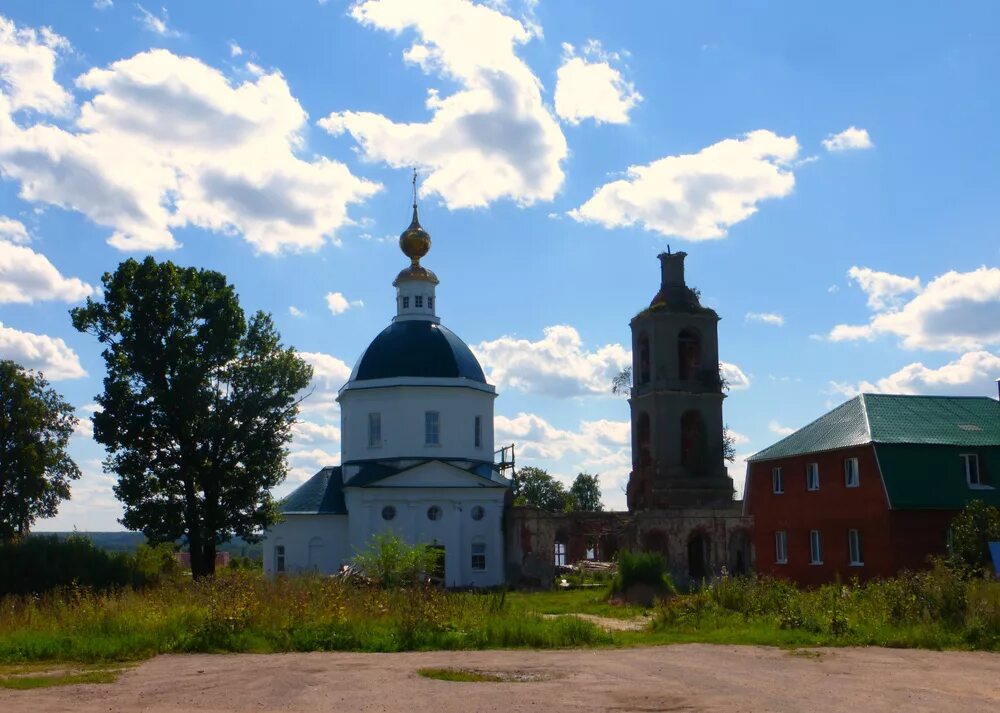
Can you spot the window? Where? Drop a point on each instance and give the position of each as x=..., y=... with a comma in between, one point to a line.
x=418, y=301
x=388, y=513
x=781, y=547
x=777, y=481
x=815, y=547
x=406, y=303
x=851, y=479
x=434, y=512
x=812, y=476
x=279, y=558
x=970, y=465
x=479, y=556
x=854, y=548
x=479, y=432
x=432, y=428
x=478, y=512
x=374, y=430
x=560, y=550
x=430, y=303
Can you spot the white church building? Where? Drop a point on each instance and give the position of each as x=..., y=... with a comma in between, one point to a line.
x=416, y=450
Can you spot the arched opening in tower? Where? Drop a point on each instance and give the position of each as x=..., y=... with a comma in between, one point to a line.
x=644, y=435
x=644, y=367
x=688, y=354
x=692, y=441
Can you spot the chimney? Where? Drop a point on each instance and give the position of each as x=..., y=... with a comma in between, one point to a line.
x=671, y=270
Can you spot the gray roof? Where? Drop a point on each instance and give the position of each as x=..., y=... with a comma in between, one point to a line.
x=372, y=472
x=895, y=418
x=322, y=494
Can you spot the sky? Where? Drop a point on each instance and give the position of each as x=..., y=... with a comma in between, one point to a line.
x=831, y=173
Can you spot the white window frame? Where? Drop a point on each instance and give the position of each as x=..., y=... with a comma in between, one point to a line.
x=815, y=547
x=406, y=303
x=777, y=480
x=781, y=547
x=855, y=555
x=812, y=477
x=478, y=432
x=852, y=473
x=374, y=429
x=967, y=460
x=418, y=301
x=430, y=303
x=559, y=553
x=279, y=558
x=478, y=549
x=432, y=428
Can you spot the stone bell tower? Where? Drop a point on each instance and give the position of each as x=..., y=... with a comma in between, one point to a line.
x=676, y=400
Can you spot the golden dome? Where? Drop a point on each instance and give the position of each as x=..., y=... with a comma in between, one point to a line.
x=415, y=273
x=415, y=241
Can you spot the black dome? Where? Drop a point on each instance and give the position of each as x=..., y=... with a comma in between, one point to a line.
x=417, y=347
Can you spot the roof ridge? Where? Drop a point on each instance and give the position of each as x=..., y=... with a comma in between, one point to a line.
x=865, y=418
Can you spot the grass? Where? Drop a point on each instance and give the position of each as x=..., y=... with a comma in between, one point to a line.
x=244, y=612
x=27, y=676
x=461, y=675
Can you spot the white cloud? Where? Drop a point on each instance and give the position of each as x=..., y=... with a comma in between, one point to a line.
x=884, y=289
x=593, y=89
x=168, y=142
x=84, y=428
x=775, y=427
x=234, y=49
x=103, y=4
x=492, y=138
x=957, y=311
x=737, y=379
x=311, y=432
x=296, y=312
x=556, y=365
x=316, y=457
x=851, y=138
x=972, y=374
x=339, y=304
x=738, y=472
x=157, y=25
x=13, y=230
x=40, y=352
x=698, y=196
x=27, y=65
x=739, y=439
x=765, y=318
x=328, y=370
x=27, y=276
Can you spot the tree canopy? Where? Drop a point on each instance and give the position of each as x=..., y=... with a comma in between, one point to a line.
x=35, y=470
x=585, y=493
x=535, y=487
x=197, y=407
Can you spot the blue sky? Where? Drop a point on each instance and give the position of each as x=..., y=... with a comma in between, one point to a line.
x=831, y=174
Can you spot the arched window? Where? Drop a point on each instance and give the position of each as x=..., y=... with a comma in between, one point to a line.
x=692, y=441
x=656, y=541
x=699, y=556
x=644, y=451
x=688, y=354
x=644, y=368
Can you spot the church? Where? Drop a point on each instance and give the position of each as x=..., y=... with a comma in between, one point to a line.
x=416, y=450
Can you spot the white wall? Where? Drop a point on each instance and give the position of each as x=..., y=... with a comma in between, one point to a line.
x=296, y=532
x=403, y=408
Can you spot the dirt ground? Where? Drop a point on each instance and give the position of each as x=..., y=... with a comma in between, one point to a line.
x=693, y=677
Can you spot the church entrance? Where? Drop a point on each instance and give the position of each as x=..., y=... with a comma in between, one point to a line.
x=699, y=550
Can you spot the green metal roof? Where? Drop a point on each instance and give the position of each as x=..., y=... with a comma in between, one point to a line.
x=322, y=494
x=968, y=421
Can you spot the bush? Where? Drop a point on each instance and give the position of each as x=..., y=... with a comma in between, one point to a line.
x=40, y=563
x=972, y=530
x=391, y=562
x=642, y=568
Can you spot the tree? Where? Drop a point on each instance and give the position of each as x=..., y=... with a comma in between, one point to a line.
x=621, y=384
x=535, y=487
x=198, y=405
x=971, y=531
x=585, y=493
x=35, y=470
x=728, y=445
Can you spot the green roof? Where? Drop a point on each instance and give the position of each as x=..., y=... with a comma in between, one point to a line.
x=968, y=421
x=322, y=494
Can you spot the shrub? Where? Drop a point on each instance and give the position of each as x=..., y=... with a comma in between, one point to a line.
x=974, y=527
x=40, y=563
x=390, y=561
x=642, y=568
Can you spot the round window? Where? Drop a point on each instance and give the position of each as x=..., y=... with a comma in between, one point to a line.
x=433, y=513
x=388, y=512
x=478, y=512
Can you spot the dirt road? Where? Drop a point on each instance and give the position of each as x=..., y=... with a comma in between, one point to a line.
x=672, y=678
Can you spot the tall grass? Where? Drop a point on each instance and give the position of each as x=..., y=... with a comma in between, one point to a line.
x=242, y=611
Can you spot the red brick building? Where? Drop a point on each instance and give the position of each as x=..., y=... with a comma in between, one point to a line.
x=871, y=487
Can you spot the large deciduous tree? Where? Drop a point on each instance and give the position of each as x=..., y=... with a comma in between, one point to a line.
x=197, y=407
x=35, y=470
x=535, y=487
x=585, y=493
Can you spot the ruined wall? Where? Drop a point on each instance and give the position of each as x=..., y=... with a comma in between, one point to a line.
x=696, y=542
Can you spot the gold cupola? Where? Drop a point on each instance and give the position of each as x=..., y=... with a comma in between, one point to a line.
x=415, y=242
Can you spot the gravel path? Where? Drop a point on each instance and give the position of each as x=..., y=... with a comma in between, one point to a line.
x=694, y=677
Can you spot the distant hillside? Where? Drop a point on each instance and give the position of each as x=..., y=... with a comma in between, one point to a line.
x=130, y=541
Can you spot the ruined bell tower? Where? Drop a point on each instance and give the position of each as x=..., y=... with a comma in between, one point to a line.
x=676, y=400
